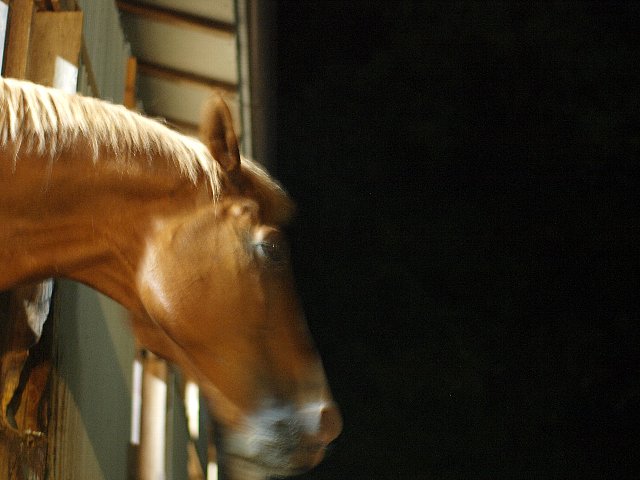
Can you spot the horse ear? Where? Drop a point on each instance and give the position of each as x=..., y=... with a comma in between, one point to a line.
x=217, y=134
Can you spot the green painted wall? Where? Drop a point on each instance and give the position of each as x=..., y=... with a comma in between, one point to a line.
x=92, y=392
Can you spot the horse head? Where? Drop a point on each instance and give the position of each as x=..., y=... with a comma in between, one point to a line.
x=216, y=283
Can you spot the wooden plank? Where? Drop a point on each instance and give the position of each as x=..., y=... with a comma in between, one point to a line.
x=20, y=16
x=174, y=17
x=53, y=34
x=178, y=76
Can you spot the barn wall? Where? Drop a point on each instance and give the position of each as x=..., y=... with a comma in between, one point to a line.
x=91, y=400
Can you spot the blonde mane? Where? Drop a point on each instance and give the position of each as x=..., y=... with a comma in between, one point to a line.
x=48, y=122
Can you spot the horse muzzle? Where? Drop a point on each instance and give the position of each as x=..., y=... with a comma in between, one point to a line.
x=282, y=440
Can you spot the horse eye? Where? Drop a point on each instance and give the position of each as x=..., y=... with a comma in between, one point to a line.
x=271, y=251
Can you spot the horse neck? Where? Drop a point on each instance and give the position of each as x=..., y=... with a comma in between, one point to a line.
x=88, y=222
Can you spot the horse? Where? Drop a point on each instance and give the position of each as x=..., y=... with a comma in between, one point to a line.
x=187, y=235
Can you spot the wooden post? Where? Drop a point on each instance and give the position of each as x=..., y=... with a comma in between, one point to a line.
x=153, y=419
x=130, y=84
x=20, y=18
x=55, y=36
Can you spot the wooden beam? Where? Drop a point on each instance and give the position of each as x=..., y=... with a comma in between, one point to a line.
x=130, y=83
x=179, y=76
x=175, y=17
x=20, y=16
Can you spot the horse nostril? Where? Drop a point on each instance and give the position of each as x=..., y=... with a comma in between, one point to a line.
x=330, y=423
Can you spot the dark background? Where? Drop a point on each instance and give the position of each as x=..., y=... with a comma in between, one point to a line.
x=467, y=243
